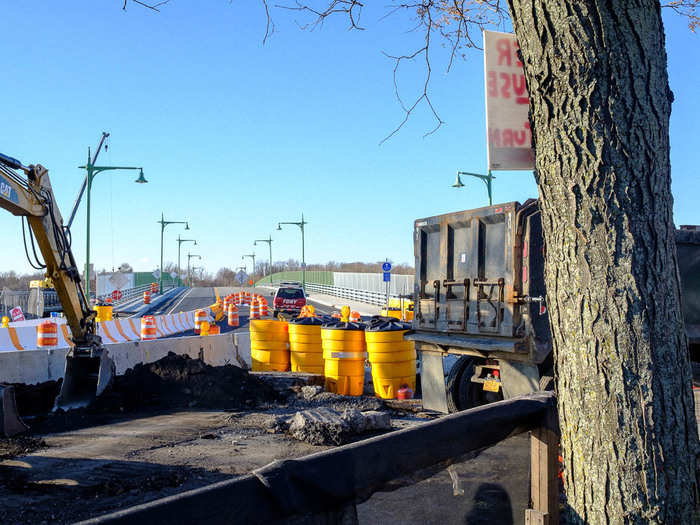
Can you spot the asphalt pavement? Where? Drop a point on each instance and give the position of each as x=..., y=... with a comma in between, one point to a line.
x=194, y=298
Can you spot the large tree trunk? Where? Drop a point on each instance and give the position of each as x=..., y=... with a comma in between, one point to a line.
x=600, y=107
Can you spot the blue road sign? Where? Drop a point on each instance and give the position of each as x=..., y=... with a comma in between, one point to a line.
x=387, y=277
x=387, y=268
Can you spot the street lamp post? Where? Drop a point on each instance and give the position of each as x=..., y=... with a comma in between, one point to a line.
x=269, y=242
x=252, y=255
x=163, y=223
x=303, y=261
x=179, y=244
x=92, y=172
x=486, y=179
x=189, y=256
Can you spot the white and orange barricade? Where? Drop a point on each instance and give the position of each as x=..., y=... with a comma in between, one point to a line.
x=146, y=297
x=47, y=334
x=154, y=288
x=233, y=316
x=254, y=309
x=199, y=317
x=262, y=307
x=148, y=328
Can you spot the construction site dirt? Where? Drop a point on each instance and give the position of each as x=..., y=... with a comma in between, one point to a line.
x=197, y=425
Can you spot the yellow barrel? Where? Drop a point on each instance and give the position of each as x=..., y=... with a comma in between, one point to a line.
x=344, y=354
x=306, y=351
x=393, y=360
x=269, y=349
x=104, y=312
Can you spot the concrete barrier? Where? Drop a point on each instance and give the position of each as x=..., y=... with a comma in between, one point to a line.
x=22, y=336
x=36, y=366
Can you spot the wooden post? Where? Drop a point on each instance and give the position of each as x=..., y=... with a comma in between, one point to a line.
x=544, y=482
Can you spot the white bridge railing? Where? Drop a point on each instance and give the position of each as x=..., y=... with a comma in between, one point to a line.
x=351, y=294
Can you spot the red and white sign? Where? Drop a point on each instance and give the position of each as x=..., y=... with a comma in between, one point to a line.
x=16, y=314
x=507, y=101
x=116, y=295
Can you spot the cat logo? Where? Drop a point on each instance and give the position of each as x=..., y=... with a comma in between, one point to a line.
x=7, y=191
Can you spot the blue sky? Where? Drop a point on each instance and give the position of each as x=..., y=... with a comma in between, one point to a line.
x=235, y=136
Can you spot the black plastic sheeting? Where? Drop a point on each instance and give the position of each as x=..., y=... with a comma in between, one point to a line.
x=324, y=481
x=386, y=324
x=341, y=325
x=313, y=321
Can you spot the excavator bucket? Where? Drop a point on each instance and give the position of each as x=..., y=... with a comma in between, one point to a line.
x=86, y=377
x=10, y=423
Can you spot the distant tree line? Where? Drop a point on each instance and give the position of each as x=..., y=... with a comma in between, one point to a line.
x=15, y=281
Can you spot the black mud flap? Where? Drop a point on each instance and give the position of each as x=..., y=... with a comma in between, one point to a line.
x=85, y=378
x=10, y=422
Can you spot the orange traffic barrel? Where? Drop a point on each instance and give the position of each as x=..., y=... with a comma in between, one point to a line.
x=344, y=354
x=47, y=334
x=305, y=348
x=393, y=360
x=148, y=327
x=269, y=350
x=214, y=329
x=262, y=307
x=199, y=316
x=146, y=297
x=154, y=288
x=355, y=317
x=233, y=316
x=254, y=309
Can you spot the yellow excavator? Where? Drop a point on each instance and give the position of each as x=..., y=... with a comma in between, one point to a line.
x=26, y=191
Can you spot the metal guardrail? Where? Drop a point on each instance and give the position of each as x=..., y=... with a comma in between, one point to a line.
x=133, y=293
x=51, y=303
x=351, y=294
x=11, y=298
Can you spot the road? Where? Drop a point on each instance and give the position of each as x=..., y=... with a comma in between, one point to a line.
x=194, y=298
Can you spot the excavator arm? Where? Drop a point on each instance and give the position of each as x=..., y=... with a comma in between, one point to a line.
x=29, y=194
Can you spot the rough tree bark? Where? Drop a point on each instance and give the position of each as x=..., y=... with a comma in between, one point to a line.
x=600, y=107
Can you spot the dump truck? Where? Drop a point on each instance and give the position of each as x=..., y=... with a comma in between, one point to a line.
x=480, y=321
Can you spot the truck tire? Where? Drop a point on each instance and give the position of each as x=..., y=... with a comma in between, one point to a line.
x=454, y=380
x=470, y=394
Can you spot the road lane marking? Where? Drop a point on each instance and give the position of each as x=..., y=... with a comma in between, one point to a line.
x=181, y=299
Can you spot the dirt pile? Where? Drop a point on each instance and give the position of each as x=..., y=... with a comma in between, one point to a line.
x=177, y=381
x=19, y=445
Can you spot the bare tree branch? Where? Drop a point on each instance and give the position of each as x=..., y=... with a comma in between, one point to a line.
x=144, y=4
x=687, y=8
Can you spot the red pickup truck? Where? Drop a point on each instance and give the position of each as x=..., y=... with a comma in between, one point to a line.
x=288, y=299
